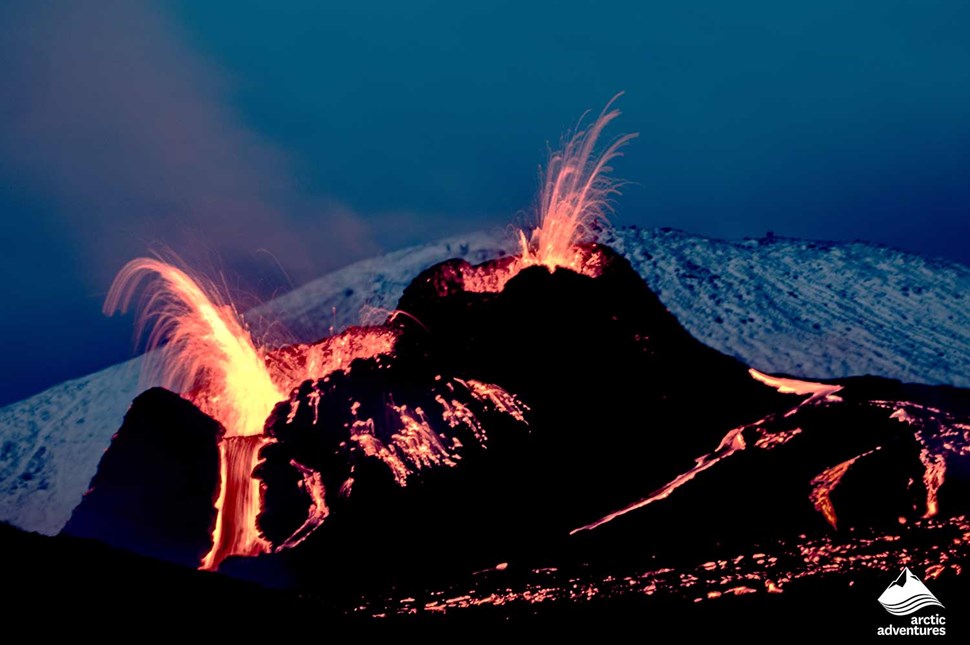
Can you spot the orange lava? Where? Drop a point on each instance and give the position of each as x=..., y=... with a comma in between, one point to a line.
x=939, y=435
x=732, y=442
x=206, y=351
x=238, y=503
x=769, y=572
x=414, y=445
x=575, y=198
x=934, y=465
x=795, y=386
x=203, y=350
x=313, y=485
x=825, y=482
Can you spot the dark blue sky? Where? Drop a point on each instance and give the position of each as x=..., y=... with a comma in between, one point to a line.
x=327, y=132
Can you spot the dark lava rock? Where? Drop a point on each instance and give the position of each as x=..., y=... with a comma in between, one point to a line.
x=155, y=487
x=620, y=399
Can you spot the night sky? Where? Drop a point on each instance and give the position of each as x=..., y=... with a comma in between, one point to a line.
x=250, y=135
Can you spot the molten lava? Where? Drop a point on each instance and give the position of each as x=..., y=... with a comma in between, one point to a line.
x=825, y=482
x=574, y=200
x=207, y=350
x=396, y=420
x=204, y=351
x=575, y=197
x=733, y=442
x=234, y=532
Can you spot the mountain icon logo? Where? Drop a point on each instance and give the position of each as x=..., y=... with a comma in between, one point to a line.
x=907, y=594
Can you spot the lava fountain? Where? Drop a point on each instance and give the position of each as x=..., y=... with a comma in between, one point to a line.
x=575, y=196
x=202, y=346
x=204, y=351
x=209, y=356
x=574, y=200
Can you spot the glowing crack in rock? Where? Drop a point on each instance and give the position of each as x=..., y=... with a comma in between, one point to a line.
x=939, y=435
x=825, y=482
x=313, y=485
x=732, y=442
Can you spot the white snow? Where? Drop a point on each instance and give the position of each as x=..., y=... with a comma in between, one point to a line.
x=810, y=309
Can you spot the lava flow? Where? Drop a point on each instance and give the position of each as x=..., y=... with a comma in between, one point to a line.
x=205, y=352
x=524, y=397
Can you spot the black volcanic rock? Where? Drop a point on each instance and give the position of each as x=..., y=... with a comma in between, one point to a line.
x=155, y=487
x=621, y=402
x=506, y=425
x=621, y=399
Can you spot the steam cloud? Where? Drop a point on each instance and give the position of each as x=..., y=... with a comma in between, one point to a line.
x=109, y=109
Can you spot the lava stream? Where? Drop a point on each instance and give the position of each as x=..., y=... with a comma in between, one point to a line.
x=732, y=442
x=206, y=353
x=825, y=482
x=239, y=502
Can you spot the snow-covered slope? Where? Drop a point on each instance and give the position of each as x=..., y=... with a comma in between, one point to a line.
x=51, y=443
x=814, y=309
x=806, y=308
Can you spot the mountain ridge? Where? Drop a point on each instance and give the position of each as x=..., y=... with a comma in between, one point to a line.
x=812, y=309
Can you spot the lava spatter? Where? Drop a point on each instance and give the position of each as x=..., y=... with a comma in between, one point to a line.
x=202, y=349
x=508, y=403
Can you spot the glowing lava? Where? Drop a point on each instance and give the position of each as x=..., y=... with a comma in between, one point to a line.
x=734, y=441
x=234, y=532
x=769, y=571
x=205, y=352
x=575, y=196
x=825, y=482
x=795, y=386
x=414, y=445
x=940, y=435
x=573, y=201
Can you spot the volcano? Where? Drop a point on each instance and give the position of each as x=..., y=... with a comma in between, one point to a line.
x=567, y=428
x=532, y=429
